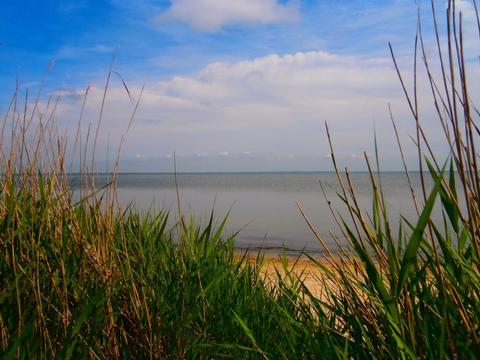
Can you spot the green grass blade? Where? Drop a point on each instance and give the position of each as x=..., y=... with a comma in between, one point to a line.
x=410, y=256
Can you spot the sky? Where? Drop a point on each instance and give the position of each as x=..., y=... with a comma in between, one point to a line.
x=242, y=85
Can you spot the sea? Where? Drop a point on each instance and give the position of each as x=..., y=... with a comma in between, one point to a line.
x=263, y=208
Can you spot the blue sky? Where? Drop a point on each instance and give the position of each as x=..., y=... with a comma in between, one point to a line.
x=81, y=35
x=212, y=71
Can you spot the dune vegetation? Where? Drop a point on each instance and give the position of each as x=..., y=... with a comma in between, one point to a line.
x=80, y=277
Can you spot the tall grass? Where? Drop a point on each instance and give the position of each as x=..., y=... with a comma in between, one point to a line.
x=84, y=278
x=80, y=277
x=415, y=293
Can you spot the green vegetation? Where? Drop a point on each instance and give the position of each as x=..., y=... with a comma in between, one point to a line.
x=77, y=282
x=84, y=279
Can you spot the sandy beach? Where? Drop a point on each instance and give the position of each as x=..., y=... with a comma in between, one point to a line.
x=303, y=267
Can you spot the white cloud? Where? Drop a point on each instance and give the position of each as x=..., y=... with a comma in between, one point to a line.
x=212, y=15
x=275, y=104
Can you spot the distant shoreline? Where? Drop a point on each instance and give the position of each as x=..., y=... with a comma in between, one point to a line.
x=241, y=172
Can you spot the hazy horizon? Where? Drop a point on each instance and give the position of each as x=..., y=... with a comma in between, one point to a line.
x=261, y=206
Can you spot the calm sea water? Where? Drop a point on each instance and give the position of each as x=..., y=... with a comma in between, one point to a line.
x=262, y=205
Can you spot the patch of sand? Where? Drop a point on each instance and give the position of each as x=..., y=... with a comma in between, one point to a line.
x=313, y=277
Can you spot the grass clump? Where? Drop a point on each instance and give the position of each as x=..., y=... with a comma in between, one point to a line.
x=81, y=277
x=79, y=281
x=415, y=293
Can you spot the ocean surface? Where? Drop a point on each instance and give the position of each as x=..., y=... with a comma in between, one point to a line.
x=263, y=205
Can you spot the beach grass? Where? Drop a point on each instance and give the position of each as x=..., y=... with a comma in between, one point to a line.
x=81, y=277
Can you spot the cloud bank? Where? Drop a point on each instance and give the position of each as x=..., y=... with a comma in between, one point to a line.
x=271, y=107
